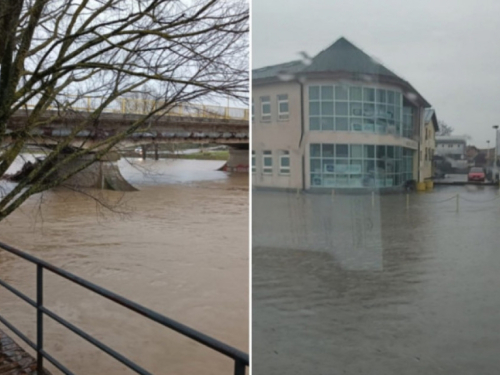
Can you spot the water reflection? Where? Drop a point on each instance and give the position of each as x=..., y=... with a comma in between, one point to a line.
x=344, y=286
x=346, y=229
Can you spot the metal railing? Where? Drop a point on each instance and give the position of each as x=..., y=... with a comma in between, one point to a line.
x=143, y=106
x=241, y=360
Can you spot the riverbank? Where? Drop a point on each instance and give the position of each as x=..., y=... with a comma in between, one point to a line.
x=201, y=155
x=181, y=151
x=13, y=359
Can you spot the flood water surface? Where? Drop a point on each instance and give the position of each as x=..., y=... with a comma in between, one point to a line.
x=347, y=285
x=179, y=246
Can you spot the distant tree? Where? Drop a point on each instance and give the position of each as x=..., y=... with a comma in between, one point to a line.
x=444, y=128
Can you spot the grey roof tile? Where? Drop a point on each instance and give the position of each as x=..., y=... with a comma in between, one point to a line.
x=341, y=56
x=345, y=56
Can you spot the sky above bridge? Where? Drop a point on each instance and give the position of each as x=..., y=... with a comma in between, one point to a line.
x=448, y=50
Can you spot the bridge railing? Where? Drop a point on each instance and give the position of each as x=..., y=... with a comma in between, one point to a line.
x=240, y=359
x=143, y=106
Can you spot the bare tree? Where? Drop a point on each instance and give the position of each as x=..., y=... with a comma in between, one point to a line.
x=59, y=55
x=444, y=128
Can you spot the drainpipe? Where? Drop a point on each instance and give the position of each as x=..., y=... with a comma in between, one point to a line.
x=302, y=130
x=421, y=126
x=419, y=143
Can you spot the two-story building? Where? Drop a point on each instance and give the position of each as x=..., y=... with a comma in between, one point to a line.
x=338, y=120
x=451, y=145
x=453, y=148
x=428, y=143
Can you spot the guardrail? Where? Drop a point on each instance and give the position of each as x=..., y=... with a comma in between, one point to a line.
x=241, y=360
x=144, y=106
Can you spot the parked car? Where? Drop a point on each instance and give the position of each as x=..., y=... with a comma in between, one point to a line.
x=476, y=174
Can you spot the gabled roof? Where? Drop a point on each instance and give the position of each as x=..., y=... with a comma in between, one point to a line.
x=341, y=58
x=345, y=56
x=430, y=115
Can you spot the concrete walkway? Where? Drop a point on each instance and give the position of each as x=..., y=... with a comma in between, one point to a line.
x=14, y=360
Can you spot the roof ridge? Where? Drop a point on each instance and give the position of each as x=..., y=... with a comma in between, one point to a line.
x=346, y=42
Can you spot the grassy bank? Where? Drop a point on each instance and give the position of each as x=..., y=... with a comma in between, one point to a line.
x=207, y=155
x=212, y=155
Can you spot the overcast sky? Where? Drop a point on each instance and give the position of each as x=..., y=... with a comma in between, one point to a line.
x=449, y=50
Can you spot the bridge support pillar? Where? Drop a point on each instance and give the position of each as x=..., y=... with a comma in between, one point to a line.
x=238, y=161
x=157, y=155
x=103, y=174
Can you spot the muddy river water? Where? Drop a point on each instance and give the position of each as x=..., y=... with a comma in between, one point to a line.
x=179, y=246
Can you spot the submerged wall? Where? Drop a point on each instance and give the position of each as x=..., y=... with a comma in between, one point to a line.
x=104, y=174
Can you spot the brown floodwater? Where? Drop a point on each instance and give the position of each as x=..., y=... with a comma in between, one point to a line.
x=179, y=246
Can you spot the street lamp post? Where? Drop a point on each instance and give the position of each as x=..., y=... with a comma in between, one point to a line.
x=495, y=169
x=488, y=152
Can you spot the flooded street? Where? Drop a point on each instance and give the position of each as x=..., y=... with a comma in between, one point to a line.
x=179, y=246
x=344, y=285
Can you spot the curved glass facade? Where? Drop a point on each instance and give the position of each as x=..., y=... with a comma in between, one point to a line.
x=358, y=108
x=356, y=165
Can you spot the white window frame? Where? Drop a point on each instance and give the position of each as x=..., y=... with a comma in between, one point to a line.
x=267, y=154
x=283, y=116
x=265, y=117
x=254, y=161
x=284, y=170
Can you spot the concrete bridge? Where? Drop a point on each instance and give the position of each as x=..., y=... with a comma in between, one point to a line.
x=182, y=123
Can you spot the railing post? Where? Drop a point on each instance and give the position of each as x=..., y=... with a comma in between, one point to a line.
x=239, y=368
x=226, y=113
x=39, y=319
x=88, y=103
